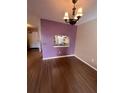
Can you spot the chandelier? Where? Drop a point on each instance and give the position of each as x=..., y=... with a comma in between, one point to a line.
x=75, y=17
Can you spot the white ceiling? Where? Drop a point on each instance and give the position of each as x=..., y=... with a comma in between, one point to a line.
x=55, y=9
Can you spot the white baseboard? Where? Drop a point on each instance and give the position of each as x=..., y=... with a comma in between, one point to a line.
x=58, y=57
x=70, y=56
x=85, y=62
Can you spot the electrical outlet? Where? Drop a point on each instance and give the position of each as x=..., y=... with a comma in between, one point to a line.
x=92, y=60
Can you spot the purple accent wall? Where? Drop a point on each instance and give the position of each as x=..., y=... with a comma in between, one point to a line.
x=51, y=28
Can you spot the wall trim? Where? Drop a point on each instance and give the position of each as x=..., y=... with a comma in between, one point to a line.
x=86, y=21
x=71, y=56
x=58, y=57
x=85, y=62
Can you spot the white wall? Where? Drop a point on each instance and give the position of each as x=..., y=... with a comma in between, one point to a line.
x=33, y=40
x=86, y=42
x=35, y=21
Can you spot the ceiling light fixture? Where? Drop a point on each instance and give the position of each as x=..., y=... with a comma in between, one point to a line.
x=75, y=17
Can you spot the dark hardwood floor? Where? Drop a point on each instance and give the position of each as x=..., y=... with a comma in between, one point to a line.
x=63, y=75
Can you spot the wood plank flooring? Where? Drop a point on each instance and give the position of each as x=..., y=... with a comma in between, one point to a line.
x=64, y=75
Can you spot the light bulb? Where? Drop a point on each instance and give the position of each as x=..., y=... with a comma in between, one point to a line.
x=79, y=12
x=75, y=17
x=29, y=25
x=66, y=15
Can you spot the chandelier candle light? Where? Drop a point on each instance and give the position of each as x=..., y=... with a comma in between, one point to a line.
x=75, y=17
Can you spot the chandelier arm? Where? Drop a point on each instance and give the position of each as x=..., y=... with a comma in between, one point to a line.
x=67, y=20
x=74, y=9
